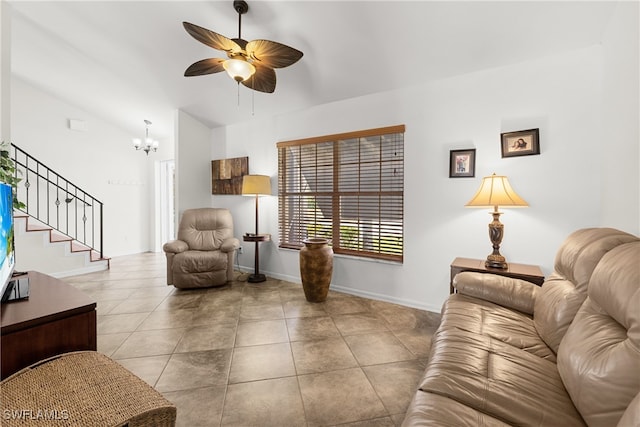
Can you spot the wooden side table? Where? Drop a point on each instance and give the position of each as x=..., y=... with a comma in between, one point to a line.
x=530, y=273
x=256, y=277
x=57, y=318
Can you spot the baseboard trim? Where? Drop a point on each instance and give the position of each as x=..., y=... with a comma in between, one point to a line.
x=79, y=271
x=355, y=292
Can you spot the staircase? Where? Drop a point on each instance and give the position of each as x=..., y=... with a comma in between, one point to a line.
x=68, y=220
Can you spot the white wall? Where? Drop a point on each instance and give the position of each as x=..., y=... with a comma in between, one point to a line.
x=101, y=161
x=561, y=95
x=193, y=168
x=620, y=144
x=5, y=71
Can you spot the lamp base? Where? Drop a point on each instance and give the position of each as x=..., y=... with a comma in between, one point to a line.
x=496, y=261
x=256, y=278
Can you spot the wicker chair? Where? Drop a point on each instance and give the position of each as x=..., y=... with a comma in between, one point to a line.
x=83, y=388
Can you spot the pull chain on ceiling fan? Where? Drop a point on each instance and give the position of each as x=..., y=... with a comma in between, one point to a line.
x=250, y=63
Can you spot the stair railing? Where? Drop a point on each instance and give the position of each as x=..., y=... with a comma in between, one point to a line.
x=55, y=201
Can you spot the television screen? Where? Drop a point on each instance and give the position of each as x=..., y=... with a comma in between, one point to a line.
x=7, y=250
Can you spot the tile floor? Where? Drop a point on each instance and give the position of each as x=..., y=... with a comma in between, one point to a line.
x=260, y=354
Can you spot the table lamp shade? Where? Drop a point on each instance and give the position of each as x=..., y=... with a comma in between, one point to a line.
x=254, y=185
x=495, y=190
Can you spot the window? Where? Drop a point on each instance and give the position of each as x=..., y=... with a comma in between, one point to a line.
x=348, y=188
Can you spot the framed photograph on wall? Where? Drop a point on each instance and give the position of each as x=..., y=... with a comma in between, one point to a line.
x=462, y=163
x=520, y=143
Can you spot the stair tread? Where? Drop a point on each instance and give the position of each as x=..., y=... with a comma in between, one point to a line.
x=56, y=236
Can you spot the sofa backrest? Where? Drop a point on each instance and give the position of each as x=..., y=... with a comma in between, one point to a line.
x=205, y=229
x=599, y=356
x=565, y=289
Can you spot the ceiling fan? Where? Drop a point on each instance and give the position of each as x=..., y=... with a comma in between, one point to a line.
x=250, y=63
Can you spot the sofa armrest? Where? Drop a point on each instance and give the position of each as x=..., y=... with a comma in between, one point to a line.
x=505, y=291
x=230, y=245
x=175, y=246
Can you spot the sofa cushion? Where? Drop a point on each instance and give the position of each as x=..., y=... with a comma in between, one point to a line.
x=428, y=409
x=566, y=289
x=497, y=379
x=599, y=357
x=495, y=321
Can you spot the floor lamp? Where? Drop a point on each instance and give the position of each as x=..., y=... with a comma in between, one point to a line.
x=256, y=185
x=495, y=191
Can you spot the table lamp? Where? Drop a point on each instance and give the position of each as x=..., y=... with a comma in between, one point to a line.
x=495, y=191
x=256, y=185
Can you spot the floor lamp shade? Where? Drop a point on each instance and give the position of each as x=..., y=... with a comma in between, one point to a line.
x=494, y=191
x=256, y=185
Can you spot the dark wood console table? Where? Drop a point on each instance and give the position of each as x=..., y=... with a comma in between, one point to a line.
x=57, y=318
x=530, y=273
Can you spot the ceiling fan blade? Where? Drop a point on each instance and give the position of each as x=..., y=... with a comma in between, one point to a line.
x=211, y=39
x=263, y=80
x=205, y=66
x=272, y=54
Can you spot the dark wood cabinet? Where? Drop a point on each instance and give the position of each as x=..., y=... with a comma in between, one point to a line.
x=530, y=273
x=56, y=318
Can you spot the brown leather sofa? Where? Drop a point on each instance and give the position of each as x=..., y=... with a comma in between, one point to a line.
x=508, y=352
x=203, y=254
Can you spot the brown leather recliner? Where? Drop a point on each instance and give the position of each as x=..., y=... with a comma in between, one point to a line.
x=203, y=254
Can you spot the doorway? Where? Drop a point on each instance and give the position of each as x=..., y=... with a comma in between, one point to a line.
x=167, y=201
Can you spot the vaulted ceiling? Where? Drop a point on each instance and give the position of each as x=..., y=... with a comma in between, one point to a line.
x=124, y=60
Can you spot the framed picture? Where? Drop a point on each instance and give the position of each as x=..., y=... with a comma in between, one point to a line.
x=521, y=143
x=226, y=175
x=462, y=163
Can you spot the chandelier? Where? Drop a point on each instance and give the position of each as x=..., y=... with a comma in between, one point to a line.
x=148, y=144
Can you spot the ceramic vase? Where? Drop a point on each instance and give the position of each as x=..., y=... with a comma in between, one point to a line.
x=316, y=268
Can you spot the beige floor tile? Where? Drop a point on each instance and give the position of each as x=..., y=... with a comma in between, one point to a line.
x=418, y=341
x=137, y=305
x=267, y=403
x=168, y=319
x=210, y=337
x=149, y=343
x=183, y=300
x=398, y=317
x=378, y=347
x=109, y=343
x=395, y=383
x=104, y=307
x=311, y=328
x=148, y=368
x=300, y=307
x=206, y=315
x=195, y=370
x=114, y=323
x=339, y=397
x=322, y=355
x=340, y=304
x=261, y=362
x=261, y=332
x=199, y=407
x=262, y=311
x=359, y=323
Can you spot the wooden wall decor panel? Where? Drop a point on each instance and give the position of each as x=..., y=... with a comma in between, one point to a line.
x=226, y=175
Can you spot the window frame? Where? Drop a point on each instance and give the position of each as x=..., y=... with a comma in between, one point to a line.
x=285, y=197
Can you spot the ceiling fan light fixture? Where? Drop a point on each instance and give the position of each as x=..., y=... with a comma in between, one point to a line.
x=239, y=69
